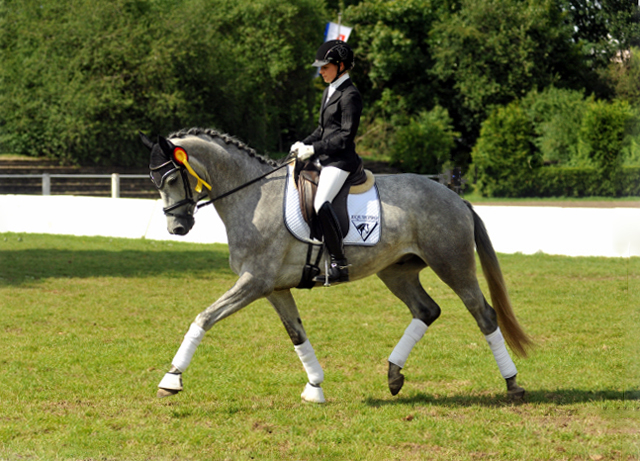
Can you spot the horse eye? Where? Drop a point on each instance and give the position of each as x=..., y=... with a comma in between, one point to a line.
x=172, y=179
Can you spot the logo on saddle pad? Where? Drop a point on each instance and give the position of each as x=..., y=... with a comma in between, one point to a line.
x=364, y=216
x=365, y=225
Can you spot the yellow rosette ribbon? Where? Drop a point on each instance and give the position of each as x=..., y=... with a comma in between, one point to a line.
x=180, y=156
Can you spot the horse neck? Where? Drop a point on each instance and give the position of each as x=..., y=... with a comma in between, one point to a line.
x=225, y=168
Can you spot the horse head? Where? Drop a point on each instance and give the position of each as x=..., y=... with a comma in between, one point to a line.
x=168, y=171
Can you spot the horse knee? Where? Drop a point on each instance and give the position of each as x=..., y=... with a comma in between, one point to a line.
x=428, y=313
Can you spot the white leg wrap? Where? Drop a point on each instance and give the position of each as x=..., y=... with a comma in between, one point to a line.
x=505, y=364
x=188, y=347
x=310, y=362
x=414, y=333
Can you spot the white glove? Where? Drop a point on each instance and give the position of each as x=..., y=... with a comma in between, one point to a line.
x=304, y=152
x=295, y=147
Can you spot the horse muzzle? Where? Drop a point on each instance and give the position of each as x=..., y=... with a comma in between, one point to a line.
x=180, y=218
x=180, y=225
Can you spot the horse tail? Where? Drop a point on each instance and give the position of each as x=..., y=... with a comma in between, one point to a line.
x=517, y=339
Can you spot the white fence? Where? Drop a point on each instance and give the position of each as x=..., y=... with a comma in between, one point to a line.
x=46, y=179
x=611, y=232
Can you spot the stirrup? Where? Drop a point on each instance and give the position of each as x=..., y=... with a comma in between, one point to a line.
x=336, y=272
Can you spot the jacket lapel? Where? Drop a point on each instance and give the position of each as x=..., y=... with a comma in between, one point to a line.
x=334, y=97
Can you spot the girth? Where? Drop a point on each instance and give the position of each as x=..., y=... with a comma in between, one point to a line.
x=306, y=175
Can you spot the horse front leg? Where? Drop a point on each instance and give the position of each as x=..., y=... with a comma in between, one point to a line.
x=246, y=290
x=285, y=306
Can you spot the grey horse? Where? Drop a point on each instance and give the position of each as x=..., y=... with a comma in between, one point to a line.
x=423, y=224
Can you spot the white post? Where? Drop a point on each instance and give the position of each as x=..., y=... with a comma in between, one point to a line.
x=115, y=185
x=46, y=184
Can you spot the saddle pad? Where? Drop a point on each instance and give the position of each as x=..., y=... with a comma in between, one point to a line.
x=363, y=209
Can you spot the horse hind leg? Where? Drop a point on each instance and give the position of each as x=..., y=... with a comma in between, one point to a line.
x=487, y=321
x=403, y=280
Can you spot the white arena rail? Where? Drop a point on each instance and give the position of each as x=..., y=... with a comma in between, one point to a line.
x=610, y=232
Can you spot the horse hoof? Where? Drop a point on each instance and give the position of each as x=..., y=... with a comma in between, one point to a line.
x=514, y=392
x=162, y=393
x=313, y=394
x=516, y=395
x=396, y=379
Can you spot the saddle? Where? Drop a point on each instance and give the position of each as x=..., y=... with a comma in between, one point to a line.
x=306, y=176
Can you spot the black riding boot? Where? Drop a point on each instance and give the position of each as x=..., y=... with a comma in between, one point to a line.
x=338, y=269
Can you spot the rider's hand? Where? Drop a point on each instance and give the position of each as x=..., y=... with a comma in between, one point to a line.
x=304, y=152
x=294, y=149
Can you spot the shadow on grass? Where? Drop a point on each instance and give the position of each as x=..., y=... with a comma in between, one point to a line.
x=557, y=397
x=26, y=266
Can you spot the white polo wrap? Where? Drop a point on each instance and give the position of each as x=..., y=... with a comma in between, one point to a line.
x=503, y=359
x=414, y=333
x=188, y=347
x=310, y=362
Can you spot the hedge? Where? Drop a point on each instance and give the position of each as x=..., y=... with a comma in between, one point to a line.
x=584, y=182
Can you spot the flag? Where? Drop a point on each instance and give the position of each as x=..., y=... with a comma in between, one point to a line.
x=335, y=31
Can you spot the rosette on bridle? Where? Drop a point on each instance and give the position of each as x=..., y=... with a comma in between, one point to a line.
x=167, y=159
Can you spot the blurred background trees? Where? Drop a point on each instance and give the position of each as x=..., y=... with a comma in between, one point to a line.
x=509, y=90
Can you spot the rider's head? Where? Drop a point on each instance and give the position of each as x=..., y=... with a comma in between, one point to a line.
x=334, y=58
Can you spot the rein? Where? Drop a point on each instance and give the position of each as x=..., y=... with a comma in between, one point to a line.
x=255, y=180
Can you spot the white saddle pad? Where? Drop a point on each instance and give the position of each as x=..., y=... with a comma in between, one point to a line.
x=363, y=209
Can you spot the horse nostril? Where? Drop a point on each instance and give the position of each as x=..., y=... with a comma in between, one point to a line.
x=179, y=230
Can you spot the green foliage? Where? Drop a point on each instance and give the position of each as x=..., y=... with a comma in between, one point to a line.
x=80, y=78
x=425, y=143
x=624, y=74
x=563, y=129
x=602, y=135
x=557, y=116
x=393, y=53
x=604, y=28
x=586, y=182
x=493, y=52
x=505, y=157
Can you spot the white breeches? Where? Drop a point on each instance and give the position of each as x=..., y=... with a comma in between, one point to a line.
x=331, y=181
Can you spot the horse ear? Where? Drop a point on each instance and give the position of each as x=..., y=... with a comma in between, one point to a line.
x=166, y=146
x=145, y=140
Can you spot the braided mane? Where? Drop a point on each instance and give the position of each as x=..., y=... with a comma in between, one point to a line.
x=227, y=139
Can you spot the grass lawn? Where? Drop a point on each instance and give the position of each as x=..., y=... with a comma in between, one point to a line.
x=88, y=327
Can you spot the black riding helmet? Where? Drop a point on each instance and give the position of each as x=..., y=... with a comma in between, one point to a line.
x=334, y=52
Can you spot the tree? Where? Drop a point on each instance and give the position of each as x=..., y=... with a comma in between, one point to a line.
x=80, y=78
x=491, y=52
x=505, y=158
x=556, y=115
x=424, y=144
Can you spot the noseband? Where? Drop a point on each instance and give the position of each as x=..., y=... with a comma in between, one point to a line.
x=158, y=176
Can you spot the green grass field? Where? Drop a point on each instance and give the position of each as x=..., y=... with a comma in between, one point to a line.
x=88, y=326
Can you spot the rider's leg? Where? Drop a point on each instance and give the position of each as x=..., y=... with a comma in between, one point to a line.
x=329, y=184
x=331, y=181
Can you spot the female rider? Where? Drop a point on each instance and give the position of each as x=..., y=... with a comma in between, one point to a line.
x=333, y=145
